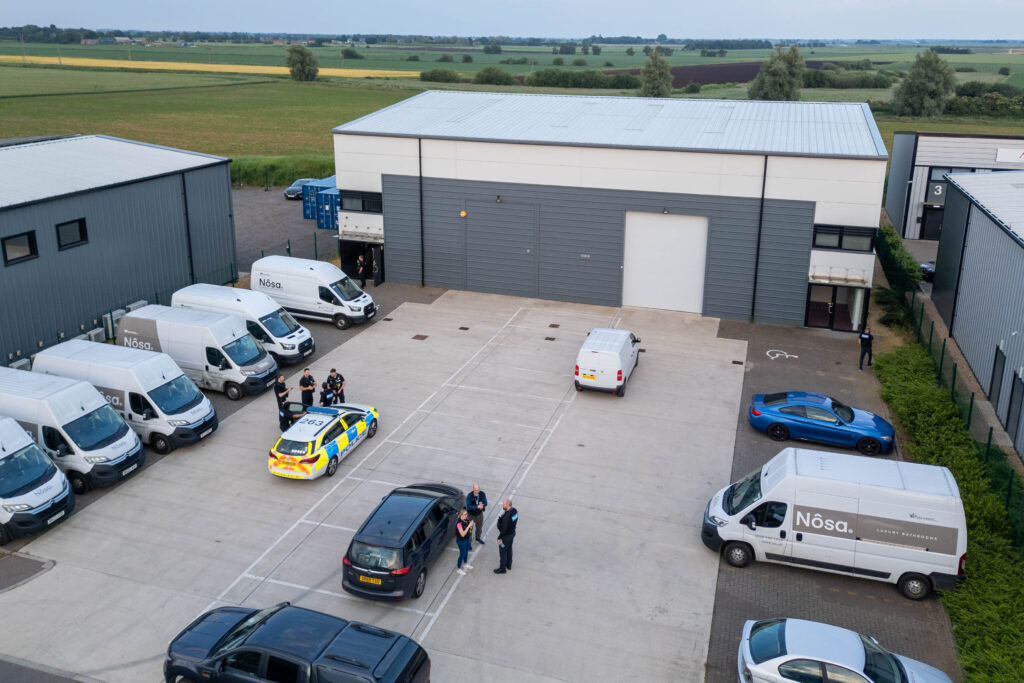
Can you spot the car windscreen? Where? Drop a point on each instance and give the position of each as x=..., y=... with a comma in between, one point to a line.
x=844, y=412
x=290, y=447
x=24, y=470
x=743, y=493
x=775, y=399
x=243, y=350
x=879, y=664
x=767, y=640
x=176, y=396
x=374, y=556
x=97, y=429
x=279, y=324
x=346, y=289
x=244, y=629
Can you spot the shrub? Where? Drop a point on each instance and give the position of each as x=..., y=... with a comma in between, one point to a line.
x=630, y=51
x=558, y=61
x=1004, y=71
x=624, y=82
x=692, y=87
x=446, y=58
x=492, y=49
x=466, y=59
x=350, y=53
x=412, y=58
x=492, y=75
x=595, y=50
x=440, y=76
x=579, y=62
x=894, y=307
x=964, y=69
x=902, y=270
x=979, y=88
x=564, y=78
x=260, y=171
x=608, y=64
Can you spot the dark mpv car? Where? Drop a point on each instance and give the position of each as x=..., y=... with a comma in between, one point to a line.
x=389, y=555
x=286, y=644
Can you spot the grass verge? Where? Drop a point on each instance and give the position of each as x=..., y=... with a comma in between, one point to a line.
x=275, y=171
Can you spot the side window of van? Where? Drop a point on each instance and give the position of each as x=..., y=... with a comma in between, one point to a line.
x=437, y=513
x=416, y=541
x=326, y=295
x=427, y=527
x=214, y=357
x=138, y=404
x=769, y=515
x=53, y=439
x=256, y=331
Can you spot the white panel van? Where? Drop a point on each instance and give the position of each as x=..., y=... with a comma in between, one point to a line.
x=147, y=388
x=606, y=360
x=34, y=493
x=213, y=349
x=74, y=425
x=312, y=289
x=898, y=522
x=271, y=325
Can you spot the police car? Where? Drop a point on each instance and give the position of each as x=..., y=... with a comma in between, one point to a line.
x=318, y=441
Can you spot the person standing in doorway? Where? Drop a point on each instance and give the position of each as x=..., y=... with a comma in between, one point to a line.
x=463, y=539
x=308, y=386
x=476, y=503
x=337, y=383
x=361, y=271
x=506, y=535
x=865, y=346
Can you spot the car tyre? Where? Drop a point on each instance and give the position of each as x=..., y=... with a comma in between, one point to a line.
x=914, y=586
x=421, y=583
x=621, y=390
x=4, y=536
x=738, y=554
x=777, y=432
x=372, y=429
x=160, y=444
x=342, y=322
x=869, y=446
x=233, y=391
x=332, y=466
x=578, y=387
x=79, y=484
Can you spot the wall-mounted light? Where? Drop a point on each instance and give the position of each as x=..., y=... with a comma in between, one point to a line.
x=498, y=200
x=462, y=214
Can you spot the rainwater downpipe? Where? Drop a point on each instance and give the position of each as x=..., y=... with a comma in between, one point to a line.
x=423, y=275
x=760, y=226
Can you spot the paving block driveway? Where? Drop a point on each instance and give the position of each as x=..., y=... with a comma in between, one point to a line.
x=610, y=582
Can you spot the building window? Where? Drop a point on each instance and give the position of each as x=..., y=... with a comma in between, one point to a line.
x=847, y=238
x=363, y=202
x=71, y=234
x=18, y=248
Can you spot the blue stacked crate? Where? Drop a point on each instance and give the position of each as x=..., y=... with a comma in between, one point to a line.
x=327, y=209
x=309, y=193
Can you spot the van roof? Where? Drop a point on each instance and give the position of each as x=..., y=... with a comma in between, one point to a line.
x=605, y=339
x=223, y=325
x=68, y=398
x=12, y=436
x=151, y=367
x=326, y=271
x=889, y=474
x=220, y=293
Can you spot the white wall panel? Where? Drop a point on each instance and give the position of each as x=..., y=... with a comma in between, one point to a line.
x=360, y=160
x=846, y=191
x=966, y=152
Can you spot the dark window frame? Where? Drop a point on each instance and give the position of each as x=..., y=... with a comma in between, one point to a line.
x=370, y=202
x=843, y=231
x=33, y=247
x=83, y=234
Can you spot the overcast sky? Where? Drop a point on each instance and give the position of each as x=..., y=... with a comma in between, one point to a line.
x=909, y=19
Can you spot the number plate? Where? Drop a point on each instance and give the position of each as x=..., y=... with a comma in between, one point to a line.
x=370, y=315
x=129, y=470
x=370, y=579
x=270, y=383
x=591, y=377
x=206, y=433
x=307, y=352
x=53, y=519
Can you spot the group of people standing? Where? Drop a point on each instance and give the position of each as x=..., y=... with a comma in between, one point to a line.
x=470, y=524
x=332, y=392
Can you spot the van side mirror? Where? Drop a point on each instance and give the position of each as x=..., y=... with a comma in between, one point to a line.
x=63, y=449
x=224, y=365
x=637, y=340
x=149, y=414
x=748, y=521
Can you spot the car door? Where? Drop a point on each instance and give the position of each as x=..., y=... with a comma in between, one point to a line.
x=326, y=301
x=333, y=440
x=240, y=666
x=353, y=423
x=139, y=408
x=795, y=419
x=823, y=426
x=216, y=366
x=772, y=532
x=440, y=532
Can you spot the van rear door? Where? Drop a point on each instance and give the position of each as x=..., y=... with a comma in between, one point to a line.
x=599, y=369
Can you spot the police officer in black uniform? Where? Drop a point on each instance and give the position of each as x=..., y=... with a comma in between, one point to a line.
x=308, y=386
x=506, y=535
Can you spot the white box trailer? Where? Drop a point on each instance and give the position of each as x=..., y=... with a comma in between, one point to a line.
x=897, y=522
x=274, y=327
x=74, y=425
x=147, y=388
x=34, y=493
x=213, y=349
x=312, y=289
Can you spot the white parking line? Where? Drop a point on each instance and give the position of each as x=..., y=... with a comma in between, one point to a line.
x=453, y=452
x=322, y=591
x=500, y=422
x=328, y=526
x=516, y=394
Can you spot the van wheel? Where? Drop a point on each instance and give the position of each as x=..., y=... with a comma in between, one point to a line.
x=577, y=385
x=233, y=391
x=342, y=322
x=738, y=554
x=914, y=586
x=332, y=466
x=421, y=583
x=372, y=429
x=160, y=444
x=621, y=391
x=869, y=446
x=778, y=432
x=79, y=484
x=4, y=537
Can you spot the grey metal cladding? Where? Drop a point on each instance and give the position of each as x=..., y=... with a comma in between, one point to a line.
x=786, y=236
x=900, y=164
x=502, y=248
x=955, y=215
x=136, y=246
x=402, y=237
x=211, y=225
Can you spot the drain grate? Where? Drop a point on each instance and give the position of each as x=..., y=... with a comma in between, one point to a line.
x=463, y=328
x=737, y=362
x=642, y=351
x=554, y=325
x=387, y=320
x=419, y=337
x=549, y=339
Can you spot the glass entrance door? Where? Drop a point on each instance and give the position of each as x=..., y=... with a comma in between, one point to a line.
x=820, y=302
x=835, y=307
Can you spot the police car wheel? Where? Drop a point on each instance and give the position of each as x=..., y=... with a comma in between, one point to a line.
x=332, y=466
x=371, y=430
x=342, y=322
x=160, y=444
x=79, y=484
x=233, y=391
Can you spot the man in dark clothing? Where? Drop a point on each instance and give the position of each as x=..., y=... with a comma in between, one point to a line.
x=865, y=346
x=337, y=384
x=308, y=386
x=284, y=418
x=506, y=534
x=361, y=271
x=476, y=503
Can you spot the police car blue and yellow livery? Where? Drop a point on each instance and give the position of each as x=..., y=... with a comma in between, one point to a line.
x=320, y=439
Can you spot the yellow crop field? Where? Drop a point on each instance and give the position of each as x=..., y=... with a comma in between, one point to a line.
x=193, y=66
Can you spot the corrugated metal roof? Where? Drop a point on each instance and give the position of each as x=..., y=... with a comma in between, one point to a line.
x=830, y=129
x=999, y=194
x=43, y=170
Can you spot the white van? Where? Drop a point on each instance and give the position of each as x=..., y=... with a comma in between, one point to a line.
x=74, y=425
x=34, y=493
x=607, y=360
x=150, y=391
x=213, y=349
x=897, y=522
x=271, y=325
x=312, y=289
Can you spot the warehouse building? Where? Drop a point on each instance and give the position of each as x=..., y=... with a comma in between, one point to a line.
x=91, y=223
x=979, y=285
x=916, y=195
x=736, y=209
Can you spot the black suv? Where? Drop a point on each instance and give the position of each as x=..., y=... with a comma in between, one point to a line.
x=286, y=644
x=389, y=555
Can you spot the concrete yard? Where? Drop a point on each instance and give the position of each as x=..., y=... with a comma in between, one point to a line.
x=610, y=579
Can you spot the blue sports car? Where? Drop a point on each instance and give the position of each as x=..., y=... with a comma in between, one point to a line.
x=816, y=417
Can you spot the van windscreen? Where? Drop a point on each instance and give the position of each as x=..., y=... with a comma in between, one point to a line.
x=346, y=289
x=743, y=493
x=374, y=556
x=24, y=470
x=97, y=429
x=279, y=324
x=244, y=350
x=176, y=396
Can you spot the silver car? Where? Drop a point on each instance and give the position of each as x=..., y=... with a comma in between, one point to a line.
x=780, y=650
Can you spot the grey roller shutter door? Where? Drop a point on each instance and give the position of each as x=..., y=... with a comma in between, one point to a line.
x=501, y=248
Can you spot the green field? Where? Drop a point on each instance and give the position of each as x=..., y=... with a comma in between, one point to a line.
x=20, y=81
